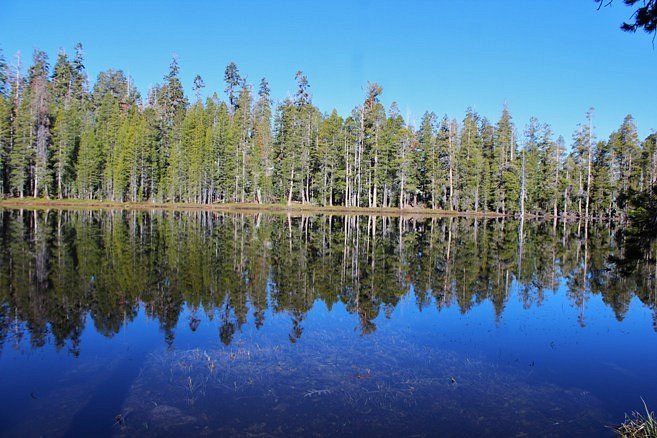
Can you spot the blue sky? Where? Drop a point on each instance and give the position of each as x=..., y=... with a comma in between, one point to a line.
x=552, y=59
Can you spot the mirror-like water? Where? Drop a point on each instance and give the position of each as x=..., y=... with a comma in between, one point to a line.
x=169, y=323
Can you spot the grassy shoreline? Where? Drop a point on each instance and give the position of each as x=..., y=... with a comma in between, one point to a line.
x=69, y=204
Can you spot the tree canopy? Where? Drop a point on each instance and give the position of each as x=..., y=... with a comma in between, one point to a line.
x=62, y=136
x=644, y=16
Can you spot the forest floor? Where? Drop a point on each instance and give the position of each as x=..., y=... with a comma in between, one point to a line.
x=253, y=208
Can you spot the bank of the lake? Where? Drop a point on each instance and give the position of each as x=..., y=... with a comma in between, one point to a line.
x=246, y=207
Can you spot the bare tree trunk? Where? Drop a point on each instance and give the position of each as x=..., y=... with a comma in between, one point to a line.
x=433, y=192
x=556, y=184
x=522, y=188
x=588, y=178
x=289, y=196
x=451, y=168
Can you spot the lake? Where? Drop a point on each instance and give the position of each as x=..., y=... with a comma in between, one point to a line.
x=157, y=323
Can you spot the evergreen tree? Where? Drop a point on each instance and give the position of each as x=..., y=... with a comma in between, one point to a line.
x=649, y=161
x=261, y=159
x=330, y=178
x=5, y=118
x=171, y=104
x=434, y=174
x=550, y=154
x=89, y=163
x=233, y=81
x=224, y=165
x=110, y=96
x=489, y=173
x=59, y=139
x=65, y=126
x=243, y=128
x=372, y=118
x=532, y=178
x=626, y=152
x=583, y=157
x=198, y=87
x=446, y=154
x=507, y=180
x=470, y=162
x=20, y=134
x=602, y=186
x=39, y=95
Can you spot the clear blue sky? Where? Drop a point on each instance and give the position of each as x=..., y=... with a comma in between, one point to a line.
x=552, y=59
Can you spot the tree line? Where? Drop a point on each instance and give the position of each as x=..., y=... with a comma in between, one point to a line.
x=60, y=137
x=62, y=270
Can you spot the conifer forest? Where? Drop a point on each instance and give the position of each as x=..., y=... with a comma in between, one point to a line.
x=65, y=135
x=349, y=218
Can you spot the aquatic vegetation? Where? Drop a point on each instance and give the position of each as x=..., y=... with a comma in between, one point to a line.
x=639, y=425
x=373, y=386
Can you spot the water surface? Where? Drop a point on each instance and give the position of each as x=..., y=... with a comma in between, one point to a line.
x=170, y=323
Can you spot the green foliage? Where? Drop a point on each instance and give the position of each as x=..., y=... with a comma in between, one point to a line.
x=645, y=15
x=470, y=162
x=5, y=123
x=58, y=138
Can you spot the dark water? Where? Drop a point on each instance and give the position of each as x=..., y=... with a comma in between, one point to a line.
x=164, y=323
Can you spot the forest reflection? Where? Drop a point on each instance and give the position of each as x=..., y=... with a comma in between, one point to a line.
x=60, y=270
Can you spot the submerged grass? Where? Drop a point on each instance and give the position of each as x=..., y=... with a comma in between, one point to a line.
x=387, y=385
x=639, y=425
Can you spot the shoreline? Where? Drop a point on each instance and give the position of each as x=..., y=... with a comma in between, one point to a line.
x=71, y=204
x=254, y=208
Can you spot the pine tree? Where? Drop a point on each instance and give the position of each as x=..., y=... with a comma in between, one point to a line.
x=296, y=132
x=233, y=81
x=404, y=144
x=224, y=166
x=550, y=154
x=372, y=119
x=64, y=126
x=29, y=157
x=89, y=163
x=20, y=134
x=532, y=177
x=434, y=174
x=625, y=149
x=330, y=177
x=5, y=131
x=194, y=140
x=471, y=162
x=487, y=193
x=171, y=104
x=507, y=181
x=602, y=187
x=443, y=169
x=57, y=138
x=198, y=87
x=390, y=162
x=243, y=127
x=649, y=160
x=111, y=93
x=262, y=158
x=285, y=150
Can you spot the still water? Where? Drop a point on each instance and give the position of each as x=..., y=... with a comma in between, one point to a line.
x=204, y=323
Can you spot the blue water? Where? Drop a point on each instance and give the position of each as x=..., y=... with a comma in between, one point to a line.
x=133, y=323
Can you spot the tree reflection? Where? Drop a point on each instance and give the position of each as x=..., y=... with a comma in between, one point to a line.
x=60, y=269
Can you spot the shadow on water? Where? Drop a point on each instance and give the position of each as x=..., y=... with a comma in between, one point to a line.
x=101, y=415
